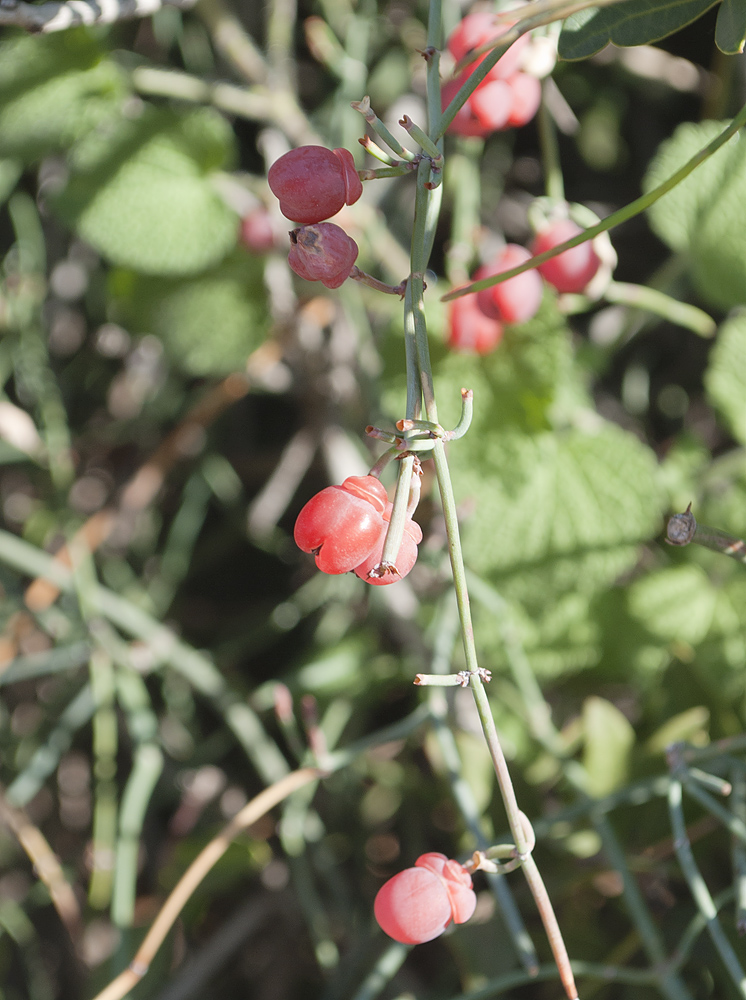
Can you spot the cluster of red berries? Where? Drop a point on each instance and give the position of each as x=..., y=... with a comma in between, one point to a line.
x=476, y=321
x=508, y=97
x=313, y=183
x=417, y=904
x=345, y=528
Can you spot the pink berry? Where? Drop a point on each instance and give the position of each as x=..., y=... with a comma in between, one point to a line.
x=466, y=121
x=405, y=559
x=417, y=904
x=517, y=299
x=572, y=270
x=526, y=98
x=313, y=182
x=492, y=105
x=471, y=330
x=341, y=525
x=256, y=232
x=323, y=252
x=474, y=31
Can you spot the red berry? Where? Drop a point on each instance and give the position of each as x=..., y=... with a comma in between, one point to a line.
x=474, y=31
x=417, y=904
x=517, y=299
x=526, y=94
x=572, y=270
x=313, y=182
x=466, y=122
x=256, y=232
x=323, y=252
x=405, y=559
x=341, y=525
x=470, y=329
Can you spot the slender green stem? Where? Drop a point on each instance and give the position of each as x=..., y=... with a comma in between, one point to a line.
x=699, y=889
x=738, y=805
x=653, y=301
x=616, y=218
x=554, y=183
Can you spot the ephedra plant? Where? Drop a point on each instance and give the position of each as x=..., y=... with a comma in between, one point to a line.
x=546, y=515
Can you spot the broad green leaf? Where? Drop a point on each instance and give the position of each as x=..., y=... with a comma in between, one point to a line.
x=208, y=325
x=705, y=215
x=725, y=378
x=635, y=22
x=675, y=604
x=730, y=28
x=556, y=512
x=143, y=196
x=608, y=743
x=54, y=90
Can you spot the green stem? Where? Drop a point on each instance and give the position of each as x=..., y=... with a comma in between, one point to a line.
x=616, y=218
x=654, y=301
x=554, y=182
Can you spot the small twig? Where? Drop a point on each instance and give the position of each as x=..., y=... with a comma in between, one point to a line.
x=48, y=17
x=196, y=872
x=683, y=529
x=380, y=286
x=364, y=108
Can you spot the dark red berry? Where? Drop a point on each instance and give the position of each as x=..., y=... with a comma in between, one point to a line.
x=572, y=270
x=342, y=525
x=256, y=232
x=322, y=252
x=313, y=182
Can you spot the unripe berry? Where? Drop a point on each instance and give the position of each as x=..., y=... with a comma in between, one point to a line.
x=405, y=559
x=417, y=904
x=517, y=299
x=323, y=252
x=471, y=330
x=341, y=525
x=572, y=270
x=313, y=182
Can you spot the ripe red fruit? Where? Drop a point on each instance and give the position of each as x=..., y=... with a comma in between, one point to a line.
x=323, y=252
x=313, y=182
x=517, y=299
x=341, y=525
x=572, y=270
x=405, y=559
x=471, y=330
x=417, y=904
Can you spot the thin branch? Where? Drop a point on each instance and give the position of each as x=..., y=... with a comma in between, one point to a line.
x=196, y=872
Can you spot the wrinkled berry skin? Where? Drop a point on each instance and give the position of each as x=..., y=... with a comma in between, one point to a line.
x=313, y=183
x=572, y=270
x=322, y=252
x=341, y=525
x=516, y=300
x=405, y=559
x=471, y=329
x=417, y=904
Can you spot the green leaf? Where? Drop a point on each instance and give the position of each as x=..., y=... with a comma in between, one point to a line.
x=725, y=378
x=609, y=739
x=54, y=90
x=208, y=325
x=705, y=215
x=143, y=196
x=730, y=28
x=555, y=512
x=635, y=22
x=675, y=604
x=691, y=725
